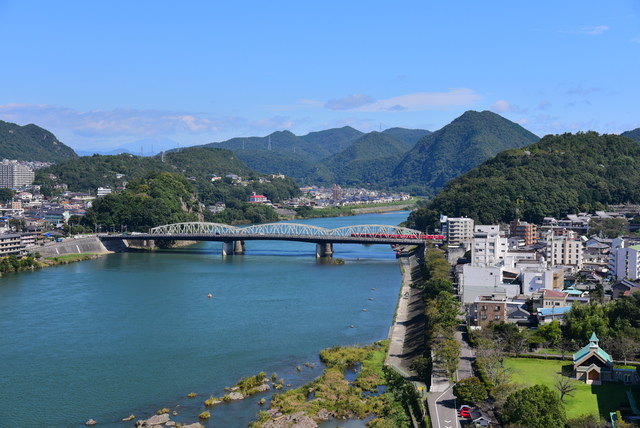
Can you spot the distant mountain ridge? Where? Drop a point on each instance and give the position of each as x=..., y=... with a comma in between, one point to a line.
x=415, y=160
x=456, y=148
x=31, y=143
x=633, y=134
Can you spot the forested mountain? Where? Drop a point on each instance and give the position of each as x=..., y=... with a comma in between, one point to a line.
x=31, y=143
x=90, y=172
x=634, y=134
x=558, y=175
x=453, y=150
x=370, y=158
x=410, y=136
x=308, y=158
x=333, y=140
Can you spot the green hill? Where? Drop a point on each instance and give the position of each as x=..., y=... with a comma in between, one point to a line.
x=410, y=136
x=31, y=143
x=90, y=172
x=333, y=140
x=455, y=149
x=634, y=134
x=558, y=175
x=369, y=159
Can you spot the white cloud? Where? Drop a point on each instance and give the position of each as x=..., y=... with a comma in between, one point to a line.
x=592, y=31
x=462, y=97
x=349, y=102
x=271, y=123
x=118, y=122
x=503, y=106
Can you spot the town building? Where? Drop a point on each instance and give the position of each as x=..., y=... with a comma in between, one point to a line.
x=565, y=251
x=593, y=365
x=457, y=229
x=521, y=230
x=624, y=260
x=488, y=247
x=103, y=191
x=13, y=175
x=10, y=244
x=258, y=199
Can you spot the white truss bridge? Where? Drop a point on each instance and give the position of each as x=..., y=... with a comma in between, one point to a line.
x=233, y=237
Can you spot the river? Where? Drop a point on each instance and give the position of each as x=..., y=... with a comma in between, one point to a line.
x=132, y=333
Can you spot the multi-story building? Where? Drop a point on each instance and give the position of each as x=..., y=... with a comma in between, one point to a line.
x=457, y=229
x=103, y=191
x=488, y=248
x=527, y=232
x=14, y=175
x=564, y=251
x=10, y=244
x=624, y=262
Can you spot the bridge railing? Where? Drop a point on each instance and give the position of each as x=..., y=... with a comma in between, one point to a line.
x=371, y=231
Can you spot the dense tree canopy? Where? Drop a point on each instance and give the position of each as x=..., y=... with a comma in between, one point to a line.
x=534, y=407
x=558, y=175
x=161, y=198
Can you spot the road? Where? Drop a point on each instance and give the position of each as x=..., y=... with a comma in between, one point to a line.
x=441, y=401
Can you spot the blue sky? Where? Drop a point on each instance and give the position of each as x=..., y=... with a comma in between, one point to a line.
x=104, y=74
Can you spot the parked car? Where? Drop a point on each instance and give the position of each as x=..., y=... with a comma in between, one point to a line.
x=465, y=413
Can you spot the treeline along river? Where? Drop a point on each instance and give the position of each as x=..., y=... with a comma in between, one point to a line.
x=132, y=333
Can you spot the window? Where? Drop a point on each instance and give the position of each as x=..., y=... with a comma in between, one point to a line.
x=484, y=307
x=497, y=317
x=497, y=308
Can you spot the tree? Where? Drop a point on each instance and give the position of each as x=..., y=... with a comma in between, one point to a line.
x=6, y=194
x=470, y=390
x=565, y=386
x=534, y=407
x=422, y=366
x=550, y=333
x=448, y=354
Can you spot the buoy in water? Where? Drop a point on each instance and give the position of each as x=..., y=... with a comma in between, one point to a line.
x=210, y=295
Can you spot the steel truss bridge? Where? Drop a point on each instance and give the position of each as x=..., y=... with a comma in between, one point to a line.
x=233, y=237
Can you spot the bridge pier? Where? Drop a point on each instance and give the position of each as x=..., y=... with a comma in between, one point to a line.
x=230, y=248
x=324, y=249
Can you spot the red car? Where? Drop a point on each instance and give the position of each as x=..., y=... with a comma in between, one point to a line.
x=465, y=412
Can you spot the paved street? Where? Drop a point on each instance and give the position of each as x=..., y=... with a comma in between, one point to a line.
x=441, y=401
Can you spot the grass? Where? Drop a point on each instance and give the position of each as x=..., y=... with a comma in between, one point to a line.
x=590, y=399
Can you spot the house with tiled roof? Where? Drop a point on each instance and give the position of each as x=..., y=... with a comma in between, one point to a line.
x=594, y=366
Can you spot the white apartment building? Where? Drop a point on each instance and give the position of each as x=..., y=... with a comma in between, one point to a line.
x=624, y=262
x=457, y=229
x=103, y=191
x=488, y=247
x=564, y=251
x=14, y=175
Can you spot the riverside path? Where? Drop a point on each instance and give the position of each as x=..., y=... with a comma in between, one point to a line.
x=407, y=332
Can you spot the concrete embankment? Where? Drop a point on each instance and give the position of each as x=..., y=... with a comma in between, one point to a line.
x=406, y=335
x=71, y=246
